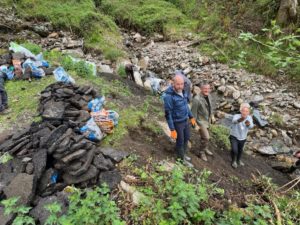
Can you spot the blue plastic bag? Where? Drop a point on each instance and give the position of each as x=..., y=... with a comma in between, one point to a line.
x=91, y=131
x=40, y=62
x=8, y=71
x=35, y=71
x=62, y=76
x=114, y=116
x=96, y=104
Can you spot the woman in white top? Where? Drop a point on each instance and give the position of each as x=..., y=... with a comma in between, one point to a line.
x=241, y=123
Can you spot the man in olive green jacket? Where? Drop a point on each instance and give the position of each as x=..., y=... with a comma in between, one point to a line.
x=202, y=111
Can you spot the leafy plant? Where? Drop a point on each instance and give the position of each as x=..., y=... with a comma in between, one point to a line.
x=5, y=158
x=220, y=135
x=171, y=199
x=87, y=207
x=12, y=207
x=280, y=49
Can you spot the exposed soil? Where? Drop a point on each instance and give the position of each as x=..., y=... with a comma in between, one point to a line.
x=145, y=143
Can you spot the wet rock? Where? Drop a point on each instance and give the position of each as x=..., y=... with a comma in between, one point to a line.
x=115, y=155
x=26, y=192
x=111, y=178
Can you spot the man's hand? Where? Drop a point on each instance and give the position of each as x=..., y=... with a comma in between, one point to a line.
x=247, y=123
x=193, y=122
x=173, y=134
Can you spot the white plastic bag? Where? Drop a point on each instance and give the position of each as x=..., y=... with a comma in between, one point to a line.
x=62, y=76
x=18, y=48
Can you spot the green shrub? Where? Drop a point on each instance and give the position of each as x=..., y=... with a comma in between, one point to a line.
x=171, y=200
x=99, y=31
x=220, y=135
x=12, y=207
x=34, y=48
x=147, y=16
x=121, y=71
x=87, y=207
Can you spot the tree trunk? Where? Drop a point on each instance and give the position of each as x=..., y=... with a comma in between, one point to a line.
x=287, y=12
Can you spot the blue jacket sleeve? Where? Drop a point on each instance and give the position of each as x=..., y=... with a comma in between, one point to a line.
x=168, y=103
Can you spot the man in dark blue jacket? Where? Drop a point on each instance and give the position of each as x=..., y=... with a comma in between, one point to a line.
x=178, y=114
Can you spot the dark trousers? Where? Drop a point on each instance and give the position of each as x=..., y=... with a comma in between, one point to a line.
x=183, y=133
x=3, y=95
x=237, y=147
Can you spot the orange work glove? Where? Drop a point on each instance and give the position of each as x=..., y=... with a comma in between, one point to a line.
x=193, y=122
x=173, y=134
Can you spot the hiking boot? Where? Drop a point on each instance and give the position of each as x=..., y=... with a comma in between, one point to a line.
x=208, y=152
x=240, y=163
x=203, y=156
x=180, y=153
x=187, y=164
x=187, y=158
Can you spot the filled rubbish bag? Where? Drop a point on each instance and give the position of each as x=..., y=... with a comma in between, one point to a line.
x=62, y=76
x=35, y=71
x=8, y=71
x=96, y=104
x=91, y=131
x=40, y=62
x=18, y=48
x=106, y=120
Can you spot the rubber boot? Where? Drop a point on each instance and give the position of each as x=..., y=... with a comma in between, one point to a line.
x=185, y=147
x=180, y=153
x=239, y=162
x=234, y=162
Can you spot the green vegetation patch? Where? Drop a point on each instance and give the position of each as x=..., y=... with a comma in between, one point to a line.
x=220, y=135
x=147, y=16
x=82, y=17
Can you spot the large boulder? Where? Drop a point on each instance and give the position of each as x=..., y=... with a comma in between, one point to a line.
x=22, y=186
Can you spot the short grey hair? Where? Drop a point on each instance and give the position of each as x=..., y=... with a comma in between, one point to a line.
x=204, y=83
x=244, y=105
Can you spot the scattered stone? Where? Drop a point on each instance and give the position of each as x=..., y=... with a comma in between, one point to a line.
x=111, y=178
x=297, y=105
x=137, y=37
x=26, y=192
x=29, y=168
x=115, y=155
x=288, y=141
